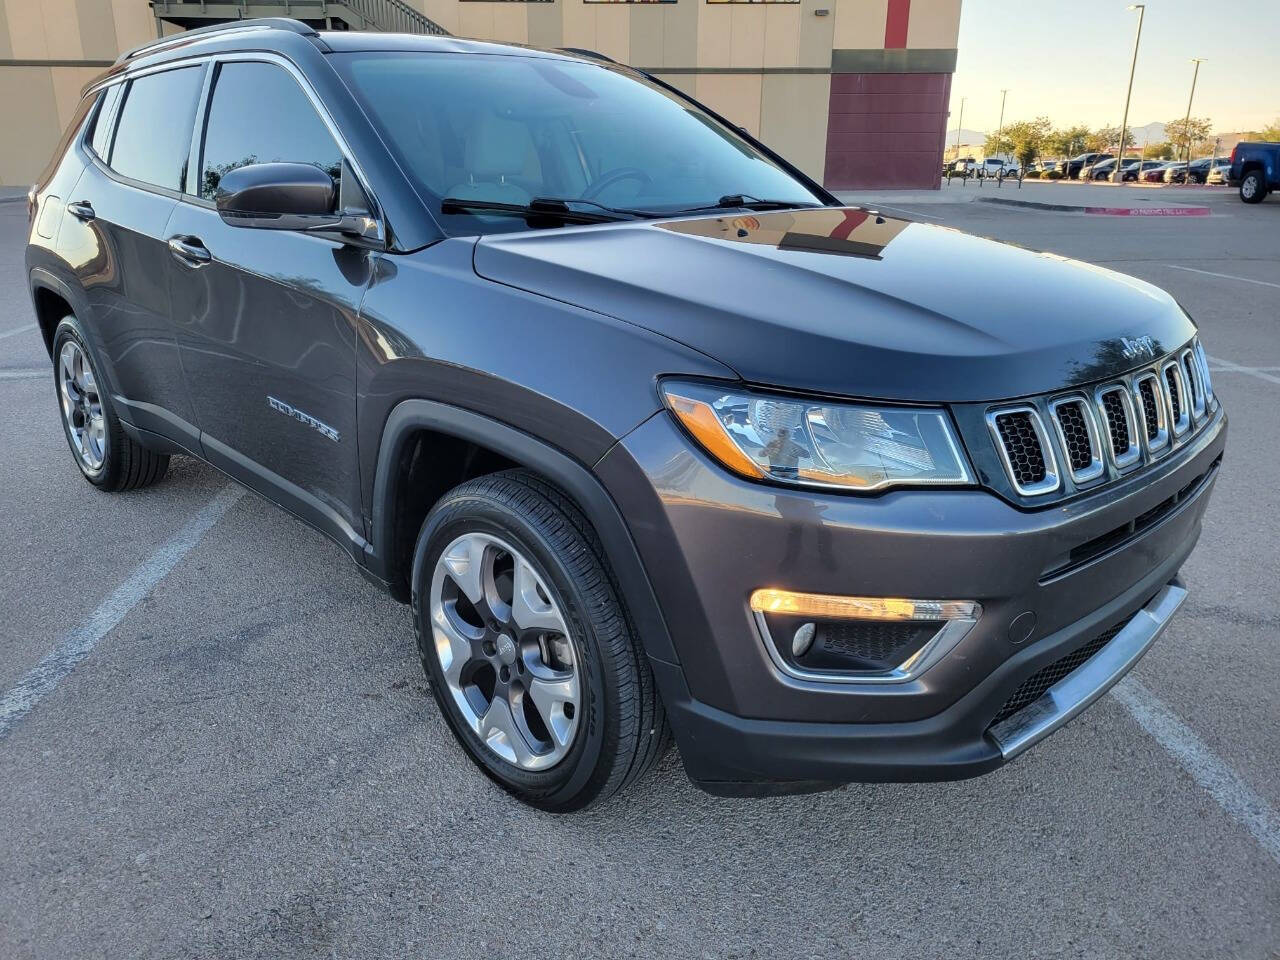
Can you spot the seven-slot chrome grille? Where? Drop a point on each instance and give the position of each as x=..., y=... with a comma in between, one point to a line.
x=1117, y=425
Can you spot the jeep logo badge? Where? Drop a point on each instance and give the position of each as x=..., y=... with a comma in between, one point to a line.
x=1137, y=347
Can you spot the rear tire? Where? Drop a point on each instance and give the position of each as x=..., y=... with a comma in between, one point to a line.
x=545, y=686
x=1253, y=187
x=107, y=456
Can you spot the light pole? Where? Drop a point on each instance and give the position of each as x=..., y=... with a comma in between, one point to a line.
x=1124, y=124
x=959, y=124
x=1186, y=124
x=1000, y=128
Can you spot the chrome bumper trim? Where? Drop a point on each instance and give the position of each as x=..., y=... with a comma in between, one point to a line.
x=1071, y=695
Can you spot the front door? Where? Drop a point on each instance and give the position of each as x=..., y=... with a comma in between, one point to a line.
x=266, y=319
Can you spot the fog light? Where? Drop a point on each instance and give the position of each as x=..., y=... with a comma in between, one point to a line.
x=860, y=608
x=840, y=639
x=803, y=639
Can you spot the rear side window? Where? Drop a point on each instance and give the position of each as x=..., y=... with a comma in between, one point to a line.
x=104, y=119
x=259, y=114
x=153, y=137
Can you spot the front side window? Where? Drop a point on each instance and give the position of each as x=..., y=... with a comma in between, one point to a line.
x=511, y=129
x=259, y=114
x=153, y=137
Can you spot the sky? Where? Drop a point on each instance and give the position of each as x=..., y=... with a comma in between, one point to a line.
x=1069, y=60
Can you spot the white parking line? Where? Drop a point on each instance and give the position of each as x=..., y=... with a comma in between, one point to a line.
x=46, y=675
x=910, y=213
x=25, y=374
x=1258, y=372
x=1224, y=276
x=14, y=333
x=1232, y=794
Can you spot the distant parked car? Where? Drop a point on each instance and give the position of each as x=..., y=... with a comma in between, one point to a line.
x=1218, y=174
x=1086, y=171
x=1156, y=174
x=1072, y=168
x=1044, y=166
x=1196, y=172
x=1138, y=171
x=1103, y=169
x=961, y=167
x=1255, y=168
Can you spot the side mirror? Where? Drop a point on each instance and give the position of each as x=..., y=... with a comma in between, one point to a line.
x=294, y=196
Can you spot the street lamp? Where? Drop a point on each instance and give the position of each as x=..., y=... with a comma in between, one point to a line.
x=1186, y=124
x=1124, y=124
x=959, y=124
x=1000, y=129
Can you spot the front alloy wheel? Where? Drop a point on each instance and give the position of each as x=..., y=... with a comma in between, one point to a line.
x=528, y=646
x=505, y=651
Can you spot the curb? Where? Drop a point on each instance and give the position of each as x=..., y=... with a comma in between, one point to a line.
x=1103, y=211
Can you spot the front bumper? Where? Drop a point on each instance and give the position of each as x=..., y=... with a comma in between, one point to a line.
x=708, y=539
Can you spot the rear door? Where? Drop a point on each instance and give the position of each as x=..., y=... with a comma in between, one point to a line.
x=267, y=318
x=113, y=236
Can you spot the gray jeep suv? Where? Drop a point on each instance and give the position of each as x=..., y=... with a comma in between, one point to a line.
x=658, y=438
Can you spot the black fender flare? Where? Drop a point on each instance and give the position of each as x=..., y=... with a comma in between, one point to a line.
x=570, y=476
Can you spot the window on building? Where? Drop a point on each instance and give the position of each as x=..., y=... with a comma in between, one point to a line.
x=259, y=114
x=153, y=137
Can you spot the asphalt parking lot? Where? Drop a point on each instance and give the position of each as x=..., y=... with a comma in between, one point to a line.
x=245, y=762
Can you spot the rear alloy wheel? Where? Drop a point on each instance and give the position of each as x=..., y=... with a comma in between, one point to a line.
x=1253, y=189
x=107, y=456
x=530, y=652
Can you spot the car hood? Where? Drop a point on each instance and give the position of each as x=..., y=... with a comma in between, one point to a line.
x=848, y=302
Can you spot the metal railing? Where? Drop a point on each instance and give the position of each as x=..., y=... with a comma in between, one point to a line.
x=395, y=16
x=387, y=16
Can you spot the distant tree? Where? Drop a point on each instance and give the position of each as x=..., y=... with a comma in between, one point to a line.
x=1197, y=130
x=1154, y=151
x=996, y=145
x=1271, y=131
x=1107, y=140
x=1066, y=142
x=1027, y=139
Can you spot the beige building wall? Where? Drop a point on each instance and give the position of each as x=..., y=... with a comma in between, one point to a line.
x=768, y=67
x=49, y=49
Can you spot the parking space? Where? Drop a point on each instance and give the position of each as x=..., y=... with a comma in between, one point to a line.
x=245, y=761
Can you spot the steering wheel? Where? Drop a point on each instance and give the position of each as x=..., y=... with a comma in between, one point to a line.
x=606, y=180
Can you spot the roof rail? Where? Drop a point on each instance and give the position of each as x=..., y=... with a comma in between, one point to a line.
x=187, y=36
x=583, y=52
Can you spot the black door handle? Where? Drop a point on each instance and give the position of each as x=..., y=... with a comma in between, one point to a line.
x=190, y=251
x=81, y=210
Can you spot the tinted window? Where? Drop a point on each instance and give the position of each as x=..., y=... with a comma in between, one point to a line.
x=102, y=122
x=153, y=136
x=259, y=114
x=509, y=129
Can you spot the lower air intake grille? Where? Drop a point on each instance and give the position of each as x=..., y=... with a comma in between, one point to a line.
x=1117, y=422
x=1076, y=434
x=1022, y=446
x=1149, y=410
x=1033, y=688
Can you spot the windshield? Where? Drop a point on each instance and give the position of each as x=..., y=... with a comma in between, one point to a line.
x=508, y=129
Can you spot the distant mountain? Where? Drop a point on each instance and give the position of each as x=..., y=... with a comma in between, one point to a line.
x=1151, y=133
x=968, y=138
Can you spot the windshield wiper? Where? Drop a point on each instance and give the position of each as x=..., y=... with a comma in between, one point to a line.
x=540, y=207
x=747, y=202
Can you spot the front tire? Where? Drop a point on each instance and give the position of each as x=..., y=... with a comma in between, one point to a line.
x=530, y=653
x=1253, y=188
x=107, y=456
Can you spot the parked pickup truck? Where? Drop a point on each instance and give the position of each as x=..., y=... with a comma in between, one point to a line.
x=1255, y=169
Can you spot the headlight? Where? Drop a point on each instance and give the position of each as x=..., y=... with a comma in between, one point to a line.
x=817, y=443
